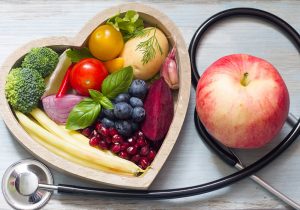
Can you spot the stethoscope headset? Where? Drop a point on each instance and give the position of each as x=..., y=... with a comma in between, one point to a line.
x=222, y=152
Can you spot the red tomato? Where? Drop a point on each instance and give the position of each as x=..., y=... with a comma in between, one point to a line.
x=87, y=74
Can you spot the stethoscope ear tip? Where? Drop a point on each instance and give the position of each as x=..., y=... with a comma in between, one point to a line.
x=20, y=184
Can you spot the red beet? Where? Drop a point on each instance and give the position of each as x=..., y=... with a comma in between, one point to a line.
x=159, y=109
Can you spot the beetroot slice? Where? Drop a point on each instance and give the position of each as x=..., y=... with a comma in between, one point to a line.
x=159, y=109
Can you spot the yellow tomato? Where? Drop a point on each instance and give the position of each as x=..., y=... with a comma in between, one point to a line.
x=114, y=65
x=106, y=43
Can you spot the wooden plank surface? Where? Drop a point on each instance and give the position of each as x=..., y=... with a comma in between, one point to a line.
x=191, y=162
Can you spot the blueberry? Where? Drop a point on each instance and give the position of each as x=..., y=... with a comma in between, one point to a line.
x=138, y=88
x=107, y=123
x=122, y=111
x=108, y=113
x=134, y=126
x=101, y=115
x=134, y=102
x=138, y=114
x=123, y=127
x=123, y=97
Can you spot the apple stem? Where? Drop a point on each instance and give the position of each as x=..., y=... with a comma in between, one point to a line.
x=245, y=81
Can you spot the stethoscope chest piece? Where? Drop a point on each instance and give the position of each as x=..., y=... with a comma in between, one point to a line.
x=20, y=184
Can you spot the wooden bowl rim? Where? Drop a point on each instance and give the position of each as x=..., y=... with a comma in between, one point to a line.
x=40, y=152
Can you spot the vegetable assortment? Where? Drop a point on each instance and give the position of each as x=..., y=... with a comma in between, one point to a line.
x=107, y=105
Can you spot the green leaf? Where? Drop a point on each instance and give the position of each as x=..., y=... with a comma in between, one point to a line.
x=78, y=54
x=95, y=95
x=127, y=24
x=100, y=98
x=117, y=82
x=83, y=114
x=132, y=16
x=106, y=103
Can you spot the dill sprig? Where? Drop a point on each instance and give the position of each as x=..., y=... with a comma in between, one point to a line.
x=149, y=46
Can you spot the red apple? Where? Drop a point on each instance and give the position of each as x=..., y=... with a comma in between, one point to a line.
x=242, y=101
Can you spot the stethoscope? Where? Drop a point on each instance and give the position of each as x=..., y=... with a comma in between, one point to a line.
x=28, y=184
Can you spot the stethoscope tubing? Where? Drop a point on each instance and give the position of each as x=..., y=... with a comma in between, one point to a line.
x=229, y=158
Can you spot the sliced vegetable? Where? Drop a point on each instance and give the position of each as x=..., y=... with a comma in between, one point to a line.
x=65, y=84
x=169, y=70
x=58, y=109
x=106, y=43
x=53, y=82
x=87, y=74
x=67, y=144
x=127, y=24
x=159, y=109
x=114, y=65
x=77, y=55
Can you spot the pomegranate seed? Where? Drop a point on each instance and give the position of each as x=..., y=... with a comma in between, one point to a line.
x=151, y=155
x=144, y=162
x=116, y=148
x=141, y=142
x=131, y=141
x=86, y=132
x=98, y=126
x=136, y=158
x=117, y=138
x=103, y=131
x=108, y=140
x=112, y=131
x=102, y=144
x=144, y=151
x=139, y=134
x=124, y=146
x=132, y=150
x=94, y=141
x=94, y=133
x=124, y=155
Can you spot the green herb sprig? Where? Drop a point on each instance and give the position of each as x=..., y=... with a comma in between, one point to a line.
x=149, y=46
x=87, y=111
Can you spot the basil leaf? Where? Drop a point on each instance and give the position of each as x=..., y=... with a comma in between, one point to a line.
x=117, y=82
x=100, y=98
x=78, y=54
x=106, y=103
x=83, y=114
x=96, y=95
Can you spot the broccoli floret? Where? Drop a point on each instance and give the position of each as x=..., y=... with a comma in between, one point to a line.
x=42, y=59
x=24, y=88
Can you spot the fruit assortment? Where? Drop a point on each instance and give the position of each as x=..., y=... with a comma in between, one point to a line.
x=107, y=105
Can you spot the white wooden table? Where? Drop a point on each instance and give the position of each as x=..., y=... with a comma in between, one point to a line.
x=190, y=162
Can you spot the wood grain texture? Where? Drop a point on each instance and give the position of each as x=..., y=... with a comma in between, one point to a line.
x=190, y=162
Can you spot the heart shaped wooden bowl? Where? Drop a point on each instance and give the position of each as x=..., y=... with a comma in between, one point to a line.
x=150, y=16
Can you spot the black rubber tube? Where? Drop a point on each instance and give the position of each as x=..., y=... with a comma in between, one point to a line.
x=228, y=180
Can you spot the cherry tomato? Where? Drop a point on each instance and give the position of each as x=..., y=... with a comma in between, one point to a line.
x=87, y=74
x=106, y=43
